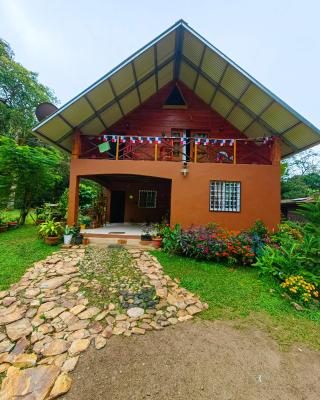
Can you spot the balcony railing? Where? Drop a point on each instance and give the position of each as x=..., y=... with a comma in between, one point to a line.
x=177, y=149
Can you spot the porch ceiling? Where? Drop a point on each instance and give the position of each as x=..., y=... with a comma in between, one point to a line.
x=180, y=53
x=106, y=180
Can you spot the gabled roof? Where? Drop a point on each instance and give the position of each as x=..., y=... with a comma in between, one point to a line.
x=180, y=53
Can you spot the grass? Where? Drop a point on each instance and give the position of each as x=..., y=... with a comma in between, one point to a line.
x=19, y=249
x=243, y=295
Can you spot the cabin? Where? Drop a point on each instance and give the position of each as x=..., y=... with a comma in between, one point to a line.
x=180, y=133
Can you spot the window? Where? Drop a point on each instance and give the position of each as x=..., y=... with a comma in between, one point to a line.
x=147, y=198
x=225, y=196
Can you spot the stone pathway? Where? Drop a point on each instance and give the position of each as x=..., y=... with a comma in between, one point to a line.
x=46, y=321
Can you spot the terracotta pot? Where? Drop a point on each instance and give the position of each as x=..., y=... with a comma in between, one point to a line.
x=146, y=242
x=12, y=225
x=3, y=228
x=85, y=241
x=156, y=242
x=51, y=241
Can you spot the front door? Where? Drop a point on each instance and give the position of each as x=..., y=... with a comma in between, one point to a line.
x=117, y=206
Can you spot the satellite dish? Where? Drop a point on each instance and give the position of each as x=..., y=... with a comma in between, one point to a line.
x=44, y=110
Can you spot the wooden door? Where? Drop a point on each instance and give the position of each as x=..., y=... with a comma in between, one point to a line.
x=178, y=148
x=202, y=150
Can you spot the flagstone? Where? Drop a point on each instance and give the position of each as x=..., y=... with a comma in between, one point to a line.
x=11, y=314
x=30, y=383
x=51, y=314
x=19, y=328
x=78, y=346
x=25, y=360
x=70, y=364
x=77, y=309
x=49, y=305
x=89, y=313
x=54, y=283
x=57, y=346
x=20, y=346
x=61, y=386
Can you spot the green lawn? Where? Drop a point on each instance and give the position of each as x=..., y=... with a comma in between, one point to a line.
x=242, y=294
x=19, y=249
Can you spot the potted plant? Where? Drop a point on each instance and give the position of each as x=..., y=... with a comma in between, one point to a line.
x=146, y=236
x=77, y=236
x=51, y=231
x=157, y=229
x=68, y=234
x=3, y=223
x=84, y=221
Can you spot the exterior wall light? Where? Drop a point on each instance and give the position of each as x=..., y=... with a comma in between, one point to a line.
x=184, y=169
x=130, y=196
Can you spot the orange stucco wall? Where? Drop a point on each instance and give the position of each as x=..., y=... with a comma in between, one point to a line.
x=260, y=189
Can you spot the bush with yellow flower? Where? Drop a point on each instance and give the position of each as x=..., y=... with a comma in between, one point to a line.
x=299, y=288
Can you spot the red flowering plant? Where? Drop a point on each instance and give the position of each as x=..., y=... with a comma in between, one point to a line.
x=213, y=243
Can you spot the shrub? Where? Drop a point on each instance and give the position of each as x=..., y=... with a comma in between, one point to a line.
x=300, y=289
x=213, y=243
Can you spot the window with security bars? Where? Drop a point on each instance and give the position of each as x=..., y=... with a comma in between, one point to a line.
x=225, y=196
x=147, y=198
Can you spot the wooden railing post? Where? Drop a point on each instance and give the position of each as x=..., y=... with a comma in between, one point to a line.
x=235, y=151
x=156, y=151
x=117, y=149
x=195, y=151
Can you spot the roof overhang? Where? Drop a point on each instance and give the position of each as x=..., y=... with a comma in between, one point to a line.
x=180, y=53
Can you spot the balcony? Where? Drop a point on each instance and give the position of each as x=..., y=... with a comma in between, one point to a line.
x=261, y=151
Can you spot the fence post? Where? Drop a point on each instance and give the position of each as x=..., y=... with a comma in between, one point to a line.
x=235, y=151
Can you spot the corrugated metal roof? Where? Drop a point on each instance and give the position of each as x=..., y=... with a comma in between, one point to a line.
x=180, y=53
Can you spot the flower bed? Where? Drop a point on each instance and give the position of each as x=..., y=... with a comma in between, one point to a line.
x=213, y=243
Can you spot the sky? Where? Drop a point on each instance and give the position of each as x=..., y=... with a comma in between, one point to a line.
x=72, y=43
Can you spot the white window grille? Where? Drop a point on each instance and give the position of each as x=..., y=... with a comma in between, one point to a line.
x=225, y=196
x=147, y=198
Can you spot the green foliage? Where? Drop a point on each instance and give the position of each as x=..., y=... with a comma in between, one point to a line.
x=50, y=228
x=170, y=238
x=292, y=252
x=31, y=171
x=3, y=217
x=84, y=219
x=88, y=196
x=68, y=230
x=20, y=94
x=311, y=213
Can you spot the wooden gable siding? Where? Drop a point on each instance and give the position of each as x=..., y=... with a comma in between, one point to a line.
x=153, y=120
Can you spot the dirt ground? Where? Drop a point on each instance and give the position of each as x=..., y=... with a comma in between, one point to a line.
x=197, y=360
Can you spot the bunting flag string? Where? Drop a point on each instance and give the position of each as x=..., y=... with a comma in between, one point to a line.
x=183, y=140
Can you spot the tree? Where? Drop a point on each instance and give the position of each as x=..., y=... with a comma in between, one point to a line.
x=301, y=175
x=33, y=170
x=20, y=94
